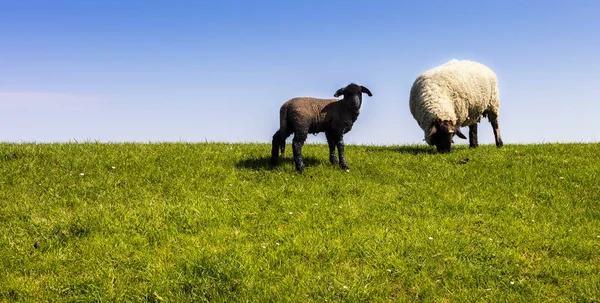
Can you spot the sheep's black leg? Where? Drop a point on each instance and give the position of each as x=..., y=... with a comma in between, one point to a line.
x=493, y=117
x=473, y=136
x=340, y=147
x=297, y=143
x=497, y=136
x=275, y=148
x=332, y=143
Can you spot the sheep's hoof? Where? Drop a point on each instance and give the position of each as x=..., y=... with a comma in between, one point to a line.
x=344, y=166
x=333, y=160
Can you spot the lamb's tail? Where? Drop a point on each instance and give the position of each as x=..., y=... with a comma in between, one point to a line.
x=283, y=128
x=275, y=148
x=278, y=143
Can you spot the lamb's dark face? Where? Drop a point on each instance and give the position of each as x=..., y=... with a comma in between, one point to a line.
x=441, y=135
x=353, y=95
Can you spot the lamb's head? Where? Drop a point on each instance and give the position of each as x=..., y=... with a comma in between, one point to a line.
x=353, y=95
x=441, y=134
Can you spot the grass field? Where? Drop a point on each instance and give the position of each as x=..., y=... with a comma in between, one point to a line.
x=213, y=222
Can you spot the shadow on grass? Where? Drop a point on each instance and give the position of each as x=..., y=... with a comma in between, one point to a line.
x=12, y=156
x=404, y=149
x=413, y=149
x=265, y=162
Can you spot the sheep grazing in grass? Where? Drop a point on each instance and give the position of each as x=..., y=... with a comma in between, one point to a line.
x=456, y=94
x=304, y=115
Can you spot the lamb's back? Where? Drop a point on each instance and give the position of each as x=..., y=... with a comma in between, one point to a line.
x=312, y=111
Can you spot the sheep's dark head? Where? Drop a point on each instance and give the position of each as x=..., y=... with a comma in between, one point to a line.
x=353, y=95
x=441, y=134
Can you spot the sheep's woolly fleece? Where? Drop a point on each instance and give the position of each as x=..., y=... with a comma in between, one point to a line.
x=459, y=91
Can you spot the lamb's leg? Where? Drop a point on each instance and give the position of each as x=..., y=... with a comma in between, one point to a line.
x=494, y=121
x=340, y=147
x=297, y=143
x=332, y=143
x=473, y=136
x=283, y=136
x=275, y=145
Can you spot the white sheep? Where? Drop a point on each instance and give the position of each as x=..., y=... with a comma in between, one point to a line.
x=455, y=94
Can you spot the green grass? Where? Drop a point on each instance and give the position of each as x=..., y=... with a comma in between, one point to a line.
x=213, y=222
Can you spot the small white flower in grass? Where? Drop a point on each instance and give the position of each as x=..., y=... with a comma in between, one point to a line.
x=389, y=270
x=230, y=184
x=532, y=220
x=570, y=230
x=277, y=243
x=561, y=178
x=512, y=283
x=597, y=236
x=345, y=287
x=113, y=167
x=290, y=213
x=82, y=174
x=264, y=246
x=490, y=239
x=430, y=238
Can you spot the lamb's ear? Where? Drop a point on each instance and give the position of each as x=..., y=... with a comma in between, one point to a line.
x=459, y=133
x=366, y=90
x=339, y=92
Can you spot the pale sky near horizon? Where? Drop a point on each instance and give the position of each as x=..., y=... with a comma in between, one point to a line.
x=218, y=71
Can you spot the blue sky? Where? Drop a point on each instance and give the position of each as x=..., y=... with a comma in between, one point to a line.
x=196, y=71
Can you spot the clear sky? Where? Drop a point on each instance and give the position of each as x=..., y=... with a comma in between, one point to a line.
x=195, y=71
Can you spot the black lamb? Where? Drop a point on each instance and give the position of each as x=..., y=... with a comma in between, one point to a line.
x=304, y=115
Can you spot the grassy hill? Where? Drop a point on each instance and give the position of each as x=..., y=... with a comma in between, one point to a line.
x=213, y=222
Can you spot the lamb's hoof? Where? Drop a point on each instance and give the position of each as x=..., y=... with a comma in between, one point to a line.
x=344, y=166
x=333, y=160
x=300, y=168
x=500, y=144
